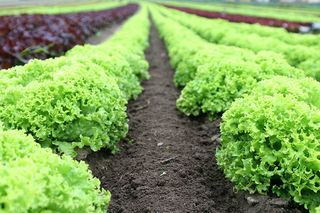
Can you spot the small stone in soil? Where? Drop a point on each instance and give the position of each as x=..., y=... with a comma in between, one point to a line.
x=215, y=137
x=278, y=202
x=204, y=127
x=160, y=144
x=163, y=173
x=197, y=156
x=168, y=160
x=252, y=201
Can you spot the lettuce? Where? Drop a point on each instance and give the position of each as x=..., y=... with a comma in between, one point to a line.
x=296, y=52
x=272, y=143
x=216, y=85
x=82, y=108
x=79, y=99
x=33, y=179
x=302, y=89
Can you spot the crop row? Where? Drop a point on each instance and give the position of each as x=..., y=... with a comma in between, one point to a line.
x=70, y=102
x=288, y=25
x=270, y=128
x=303, y=15
x=25, y=37
x=299, y=50
x=218, y=26
x=74, y=7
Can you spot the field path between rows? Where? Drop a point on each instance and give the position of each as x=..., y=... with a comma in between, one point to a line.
x=104, y=34
x=166, y=164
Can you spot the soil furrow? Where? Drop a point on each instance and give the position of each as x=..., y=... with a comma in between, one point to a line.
x=103, y=34
x=167, y=163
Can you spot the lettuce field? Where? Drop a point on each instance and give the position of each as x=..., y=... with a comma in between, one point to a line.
x=159, y=107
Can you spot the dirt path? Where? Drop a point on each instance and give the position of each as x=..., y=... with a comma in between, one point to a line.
x=103, y=34
x=167, y=162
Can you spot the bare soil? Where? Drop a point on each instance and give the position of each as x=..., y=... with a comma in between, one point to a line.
x=103, y=34
x=167, y=162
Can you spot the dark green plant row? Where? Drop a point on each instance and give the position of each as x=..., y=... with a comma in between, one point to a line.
x=301, y=51
x=70, y=102
x=270, y=129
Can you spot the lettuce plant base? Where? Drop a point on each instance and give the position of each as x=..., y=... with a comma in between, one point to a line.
x=167, y=164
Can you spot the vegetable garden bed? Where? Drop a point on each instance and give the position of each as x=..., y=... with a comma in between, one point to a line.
x=166, y=163
x=235, y=127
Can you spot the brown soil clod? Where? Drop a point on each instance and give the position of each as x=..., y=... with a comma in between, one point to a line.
x=170, y=166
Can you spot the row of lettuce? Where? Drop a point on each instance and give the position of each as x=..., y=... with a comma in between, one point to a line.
x=34, y=36
x=64, y=104
x=270, y=130
x=238, y=18
x=301, y=51
x=58, y=9
x=299, y=15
